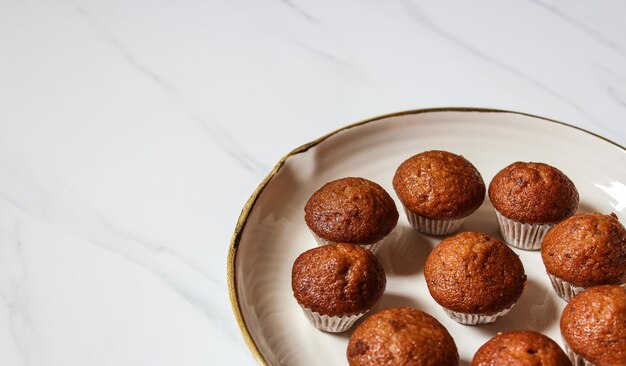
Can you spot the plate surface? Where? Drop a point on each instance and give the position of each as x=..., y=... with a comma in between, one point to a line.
x=271, y=231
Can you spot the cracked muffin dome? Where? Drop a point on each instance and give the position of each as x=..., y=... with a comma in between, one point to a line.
x=337, y=279
x=533, y=193
x=593, y=326
x=351, y=210
x=520, y=348
x=439, y=185
x=586, y=250
x=473, y=273
x=401, y=336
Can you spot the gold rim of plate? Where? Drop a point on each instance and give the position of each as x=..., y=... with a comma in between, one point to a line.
x=247, y=208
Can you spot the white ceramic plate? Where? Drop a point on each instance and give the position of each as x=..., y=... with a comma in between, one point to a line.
x=271, y=232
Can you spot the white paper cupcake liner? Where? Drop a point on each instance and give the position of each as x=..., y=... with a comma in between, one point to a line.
x=564, y=289
x=371, y=247
x=577, y=360
x=431, y=226
x=332, y=324
x=474, y=319
x=567, y=290
x=520, y=235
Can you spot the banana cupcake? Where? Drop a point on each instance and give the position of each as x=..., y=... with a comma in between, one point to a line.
x=336, y=284
x=351, y=210
x=593, y=326
x=474, y=277
x=401, y=336
x=521, y=347
x=438, y=190
x=529, y=198
x=585, y=250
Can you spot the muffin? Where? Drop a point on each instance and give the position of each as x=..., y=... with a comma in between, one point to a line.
x=593, y=326
x=351, y=210
x=438, y=190
x=585, y=250
x=474, y=277
x=336, y=284
x=529, y=198
x=401, y=336
x=520, y=348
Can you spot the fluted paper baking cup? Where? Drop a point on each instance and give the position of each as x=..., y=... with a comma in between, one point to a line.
x=431, y=226
x=577, y=360
x=474, y=319
x=371, y=247
x=564, y=289
x=332, y=324
x=521, y=235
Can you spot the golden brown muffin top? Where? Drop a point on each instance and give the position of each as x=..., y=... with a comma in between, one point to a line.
x=587, y=250
x=594, y=325
x=338, y=279
x=474, y=273
x=439, y=185
x=401, y=337
x=351, y=210
x=533, y=193
x=520, y=348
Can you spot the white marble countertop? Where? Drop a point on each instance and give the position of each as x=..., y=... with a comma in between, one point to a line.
x=132, y=132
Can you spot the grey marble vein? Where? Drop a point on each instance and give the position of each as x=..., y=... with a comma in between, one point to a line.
x=325, y=55
x=229, y=145
x=590, y=31
x=618, y=96
x=424, y=21
x=300, y=11
x=14, y=290
x=121, y=49
x=223, y=140
x=616, y=93
x=612, y=74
